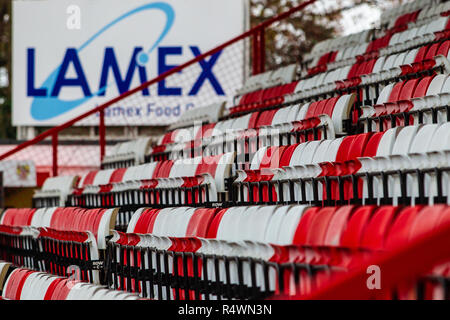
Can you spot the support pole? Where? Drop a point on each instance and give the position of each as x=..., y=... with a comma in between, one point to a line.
x=102, y=134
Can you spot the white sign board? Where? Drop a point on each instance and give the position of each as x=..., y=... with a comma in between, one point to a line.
x=70, y=56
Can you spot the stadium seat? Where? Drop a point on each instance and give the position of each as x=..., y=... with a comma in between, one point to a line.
x=127, y=154
x=55, y=191
x=208, y=114
x=23, y=284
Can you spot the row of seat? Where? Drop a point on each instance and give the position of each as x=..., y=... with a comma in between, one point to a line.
x=124, y=152
x=365, y=167
x=208, y=114
x=316, y=121
x=365, y=72
x=372, y=71
x=128, y=153
x=268, y=79
x=256, y=120
x=206, y=175
x=338, y=109
x=17, y=217
x=410, y=96
x=272, y=123
x=405, y=33
x=426, y=86
x=252, y=251
x=99, y=222
x=54, y=191
x=369, y=73
x=274, y=96
x=238, y=248
x=24, y=284
x=395, y=16
x=55, y=239
x=182, y=181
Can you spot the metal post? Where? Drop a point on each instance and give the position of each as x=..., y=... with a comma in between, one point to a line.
x=259, y=52
x=102, y=134
x=262, y=50
x=2, y=191
x=255, y=54
x=55, y=153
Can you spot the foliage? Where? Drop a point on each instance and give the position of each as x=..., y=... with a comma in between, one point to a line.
x=290, y=39
x=6, y=128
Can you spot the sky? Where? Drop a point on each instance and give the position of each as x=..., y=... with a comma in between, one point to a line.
x=360, y=18
x=3, y=78
x=364, y=16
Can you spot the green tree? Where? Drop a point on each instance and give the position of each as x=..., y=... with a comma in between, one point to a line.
x=288, y=40
x=6, y=128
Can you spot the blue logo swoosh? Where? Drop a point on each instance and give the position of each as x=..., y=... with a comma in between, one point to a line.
x=45, y=108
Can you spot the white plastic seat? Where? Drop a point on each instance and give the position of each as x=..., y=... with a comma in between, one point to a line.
x=59, y=187
x=342, y=111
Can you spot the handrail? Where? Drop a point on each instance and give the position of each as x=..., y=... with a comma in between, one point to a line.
x=2, y=192
x=54, y=131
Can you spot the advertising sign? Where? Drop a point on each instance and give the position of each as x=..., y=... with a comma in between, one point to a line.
x=71, y=56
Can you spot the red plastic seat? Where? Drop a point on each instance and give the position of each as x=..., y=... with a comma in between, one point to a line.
x=422, y=87
x=320, y=107
x=304, y=226
x=151, y=220
x=372, y=145
x=358, y=145
x=409, y=89
x=117, y=175
x=399, y=233
x=356, y=227
x=342, y=154
x=287, y=155
x=208, y=165
x=253, y=120
x=426, y=221
x=319, y=226
x=337, y=225
x=200, y=222
x=271, y=158
x=311, y=110
x=143, y=221
x=214, y=226
x=375, y=234
x=266, y=118
x=370, y=65
x=353, y=70
x=62, y=289
x=444, y=48
x=21, y=281
x=395, y=93
x=432, y=51
x=421, y=54
x=167, y=139
x=329, y=107
x=163, y=170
